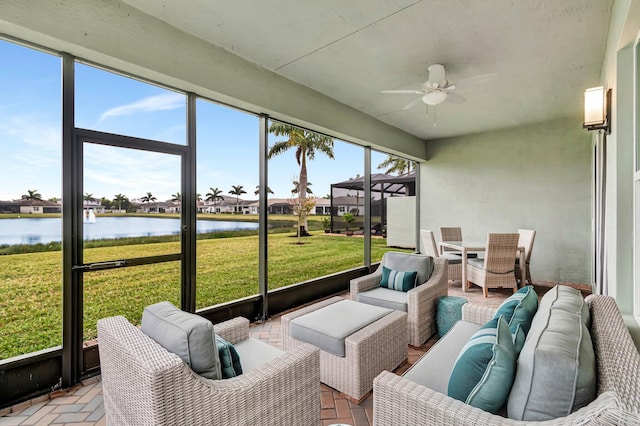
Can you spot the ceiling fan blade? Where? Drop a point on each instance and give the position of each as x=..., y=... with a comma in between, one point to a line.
x=413, y=103
x=478, y=79
x=417, y=92
x=455, y=98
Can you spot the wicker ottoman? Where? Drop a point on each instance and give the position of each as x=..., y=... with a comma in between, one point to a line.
x=449, y=312
x=378, y=346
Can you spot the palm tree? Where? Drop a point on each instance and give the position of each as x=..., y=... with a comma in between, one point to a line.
x=88, y=197
x=397, y=165
x=296, y=188
x=176, y=197
x=237, y=190
x=257, y=191
x=306, y=144
x=214, y=195
x=32, y=194
x=148, y=198
x=119, y=199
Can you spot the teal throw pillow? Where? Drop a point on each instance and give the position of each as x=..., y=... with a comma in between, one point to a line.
x=518, y=337
x=229, y=358
x=519, y=309
x=398, y=280
x=485, y=368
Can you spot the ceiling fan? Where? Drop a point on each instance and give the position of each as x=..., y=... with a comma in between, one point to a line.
x=438, y=89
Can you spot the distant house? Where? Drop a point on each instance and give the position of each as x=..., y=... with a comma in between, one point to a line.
x=348, y=204
x=276, y=206
x=226, y=205
x=30, y=207
x=9, y=207
x=159, y=207
x=93, y=205
x=279, y=206
x=323, y=206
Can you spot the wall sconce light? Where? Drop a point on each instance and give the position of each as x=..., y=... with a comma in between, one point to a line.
x=597, y=109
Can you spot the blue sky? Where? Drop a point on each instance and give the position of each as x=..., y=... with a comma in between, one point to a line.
x=227, y=148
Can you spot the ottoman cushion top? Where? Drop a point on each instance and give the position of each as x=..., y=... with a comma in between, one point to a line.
x=328, y=327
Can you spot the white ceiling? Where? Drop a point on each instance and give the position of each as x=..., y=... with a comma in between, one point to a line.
x=542, y=53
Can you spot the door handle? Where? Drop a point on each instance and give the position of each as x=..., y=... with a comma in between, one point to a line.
x=101, y=265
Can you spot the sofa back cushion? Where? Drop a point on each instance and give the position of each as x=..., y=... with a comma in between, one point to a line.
x=556, y=372
x=483, y=373
x=397, y=261
x=187, y=335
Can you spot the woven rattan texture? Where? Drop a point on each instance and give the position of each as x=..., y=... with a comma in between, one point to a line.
x=401, y=402
x=431, y=249
x=450, y=234
x=422, y=301
x=381, y=345
x=499, y=263
x=143, y=384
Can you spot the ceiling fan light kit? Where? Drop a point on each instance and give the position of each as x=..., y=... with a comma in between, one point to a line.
x=435, y=97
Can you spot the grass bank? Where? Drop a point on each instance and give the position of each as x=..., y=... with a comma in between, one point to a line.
x=227, y=269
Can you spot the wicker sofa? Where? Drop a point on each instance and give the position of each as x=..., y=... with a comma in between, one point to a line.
x=144, y=384
x=399, y=401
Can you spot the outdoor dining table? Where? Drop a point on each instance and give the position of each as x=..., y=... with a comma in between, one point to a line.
x=465, y=247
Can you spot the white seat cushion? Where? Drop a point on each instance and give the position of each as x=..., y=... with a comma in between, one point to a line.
x=253, y=353
x=434, y=367
x=385, y=298
x=328, y=327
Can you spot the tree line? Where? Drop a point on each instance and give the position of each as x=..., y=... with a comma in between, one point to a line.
x=306, y=144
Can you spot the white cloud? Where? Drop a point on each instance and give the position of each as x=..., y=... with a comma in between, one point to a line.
x=31, y=130
x=111, y=170
x=162, y=102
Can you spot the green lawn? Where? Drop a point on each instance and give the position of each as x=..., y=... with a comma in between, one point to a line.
x=227, y=269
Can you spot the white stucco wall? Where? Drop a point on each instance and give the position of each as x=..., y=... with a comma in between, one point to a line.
x=533, y=177
x=401, y=222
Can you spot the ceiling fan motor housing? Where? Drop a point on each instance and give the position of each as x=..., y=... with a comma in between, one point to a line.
x=437, y=76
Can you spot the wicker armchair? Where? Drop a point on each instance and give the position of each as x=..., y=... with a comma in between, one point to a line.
x=421, y=302
x=454, y=270
x=496, y=270
x=526, y=238
x=144, y=384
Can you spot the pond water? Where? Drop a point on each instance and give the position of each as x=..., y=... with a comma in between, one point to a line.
x=45, y=230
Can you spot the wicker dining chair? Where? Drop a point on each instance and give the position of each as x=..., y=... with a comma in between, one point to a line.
x=454, y=269
x=450, y=234
x=526, y=238
x=497, y=269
